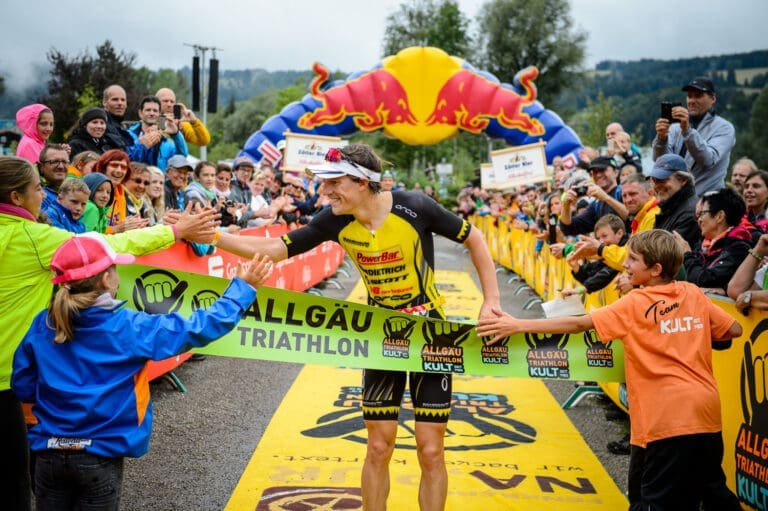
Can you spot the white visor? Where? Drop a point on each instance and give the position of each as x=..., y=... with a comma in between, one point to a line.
x=332, y=169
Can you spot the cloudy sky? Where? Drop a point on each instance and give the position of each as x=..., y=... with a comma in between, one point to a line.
x=344, y=34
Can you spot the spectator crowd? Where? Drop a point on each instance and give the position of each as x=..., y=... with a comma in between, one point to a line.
x=112, y=178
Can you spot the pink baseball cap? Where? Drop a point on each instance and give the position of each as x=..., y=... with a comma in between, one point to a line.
x=84, y=256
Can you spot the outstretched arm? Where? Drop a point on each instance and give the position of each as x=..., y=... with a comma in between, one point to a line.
x=248, y=246
x=486, y=271
x=502, y=325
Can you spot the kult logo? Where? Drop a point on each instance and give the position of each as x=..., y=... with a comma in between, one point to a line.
x=751, y=449
x=158, y=292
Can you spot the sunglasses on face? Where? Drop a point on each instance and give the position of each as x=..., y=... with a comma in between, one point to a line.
x=118, y=164
x=141, y=182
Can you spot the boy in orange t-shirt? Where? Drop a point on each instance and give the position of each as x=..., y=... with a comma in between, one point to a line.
x=667, y=328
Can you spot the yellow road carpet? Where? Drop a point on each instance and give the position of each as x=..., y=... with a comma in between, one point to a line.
x=509, y=445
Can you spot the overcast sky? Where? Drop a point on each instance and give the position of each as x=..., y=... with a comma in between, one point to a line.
x=344, y=34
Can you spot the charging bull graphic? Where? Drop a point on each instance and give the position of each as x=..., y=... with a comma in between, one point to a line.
x=470, y=101
x=373, y=99
x=420, y=96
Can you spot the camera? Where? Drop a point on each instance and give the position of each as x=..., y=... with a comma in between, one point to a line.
x=177, y=113
x=580, y=190
x=161, y=123
x=666, y=110
x=229, y=204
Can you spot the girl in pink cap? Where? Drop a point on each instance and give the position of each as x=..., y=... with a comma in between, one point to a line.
x=82, y=365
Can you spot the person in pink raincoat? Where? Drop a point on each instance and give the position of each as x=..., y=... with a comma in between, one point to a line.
x=36, y=123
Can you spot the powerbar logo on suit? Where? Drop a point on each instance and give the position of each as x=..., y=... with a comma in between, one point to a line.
x=598, y=354
x=158, y=292
x=547, y=357
x=386, y=256
x=397, y=331
x=442, y=352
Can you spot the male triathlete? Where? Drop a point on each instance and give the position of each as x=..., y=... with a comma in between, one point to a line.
x=388, y=235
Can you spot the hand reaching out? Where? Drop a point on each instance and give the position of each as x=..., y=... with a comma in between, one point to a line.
x=256, y=271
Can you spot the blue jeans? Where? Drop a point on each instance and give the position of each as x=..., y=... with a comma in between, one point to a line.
x=77, y=480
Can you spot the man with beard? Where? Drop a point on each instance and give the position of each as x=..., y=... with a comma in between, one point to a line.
x=699, y=135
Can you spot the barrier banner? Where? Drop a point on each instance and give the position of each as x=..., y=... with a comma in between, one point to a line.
x=287, y=326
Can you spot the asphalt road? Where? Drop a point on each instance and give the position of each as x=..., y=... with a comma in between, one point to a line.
x=203, y=439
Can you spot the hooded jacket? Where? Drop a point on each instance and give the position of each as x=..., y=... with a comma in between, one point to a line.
x=61, y=217
x=26, y=249
x=31, y=142
x=94, y=217
x=92, y=391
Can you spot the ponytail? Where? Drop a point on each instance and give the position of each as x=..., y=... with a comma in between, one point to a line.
x=71, y=298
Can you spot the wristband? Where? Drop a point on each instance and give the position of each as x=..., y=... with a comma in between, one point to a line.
x=755, y=254
x=216, y=237
x=175, y=232
x=600, y=250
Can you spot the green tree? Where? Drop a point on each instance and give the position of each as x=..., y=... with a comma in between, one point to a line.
x=70, y=76
x=288, y=95
x=516, y=34
x=756, y=146
x=428, y=23
x=250, y=115
x=590, y=123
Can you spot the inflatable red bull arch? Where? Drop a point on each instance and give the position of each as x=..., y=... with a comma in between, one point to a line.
x=420, y=96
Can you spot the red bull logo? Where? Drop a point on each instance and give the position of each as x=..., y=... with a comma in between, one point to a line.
x=470, y=101
x=373, y=99
x=425, y=96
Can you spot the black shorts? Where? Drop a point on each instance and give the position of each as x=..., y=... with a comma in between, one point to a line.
x=383, y=394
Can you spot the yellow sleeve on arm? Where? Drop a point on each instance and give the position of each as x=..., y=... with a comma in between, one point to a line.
x=614, y=255
x=142, y=241
x=195, y=133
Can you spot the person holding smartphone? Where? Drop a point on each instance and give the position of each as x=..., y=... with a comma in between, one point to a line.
x=698, y=134
x=192, y=128
x=155, y=141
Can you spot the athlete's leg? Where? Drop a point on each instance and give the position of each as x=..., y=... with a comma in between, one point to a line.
x=375, y=478
x=382, y=394
x=431, y=397
x=433, y=487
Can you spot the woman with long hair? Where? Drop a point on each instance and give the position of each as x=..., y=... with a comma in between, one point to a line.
x=156, y=194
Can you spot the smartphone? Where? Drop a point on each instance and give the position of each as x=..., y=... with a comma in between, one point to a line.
x=666, y=110
x=161, y=123
x=177, y=111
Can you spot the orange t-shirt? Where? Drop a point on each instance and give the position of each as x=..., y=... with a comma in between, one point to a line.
x=667, y=332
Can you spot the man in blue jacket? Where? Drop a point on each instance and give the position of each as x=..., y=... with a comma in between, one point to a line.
x=155, y=144
x=699, y=135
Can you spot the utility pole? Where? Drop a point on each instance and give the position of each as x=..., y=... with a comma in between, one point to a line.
x=200, y=49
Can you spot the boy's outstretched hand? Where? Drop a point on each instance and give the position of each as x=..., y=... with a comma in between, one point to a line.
x=256, y=271
x=499, y=326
